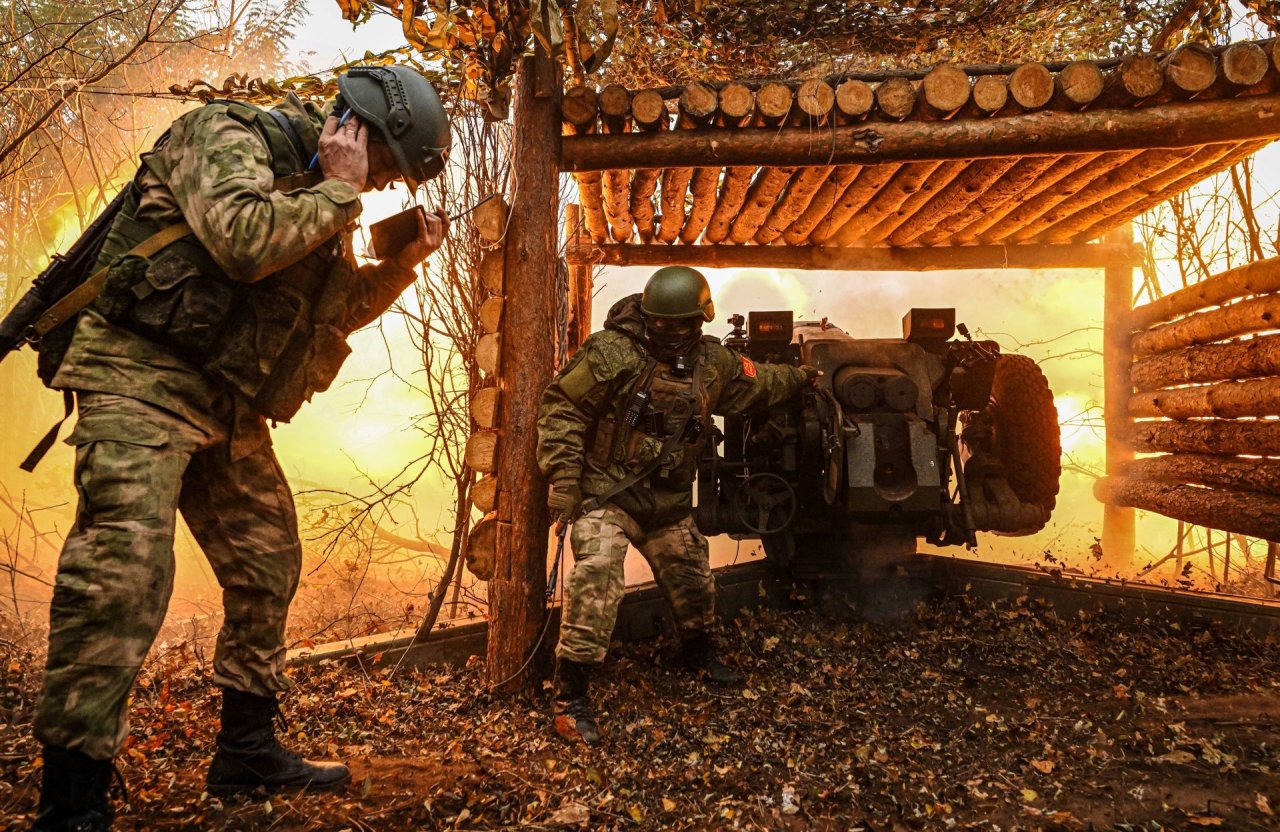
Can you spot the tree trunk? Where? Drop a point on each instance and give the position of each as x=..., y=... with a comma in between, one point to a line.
x=764, y=192
x=906, y=181
x=517, y=605
x=998, y=198
x=826, y=201
x=1118, y=524
x=1041, y=174
x=1167, y=126
x=1255, y=278
x=1251, y=358
x=1215, y=437
x=804, y=184
x=976, y=179
x=1064, y=189
x=733, y=192
x=1253, y=398
x=1260, y=475
x=1247, y=316
x=1242, y=512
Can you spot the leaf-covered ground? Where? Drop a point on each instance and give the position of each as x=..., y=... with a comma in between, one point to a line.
x=963, y=718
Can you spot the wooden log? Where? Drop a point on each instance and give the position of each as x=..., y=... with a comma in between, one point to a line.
x=895, y=98
x=1167, y=126
x=703, y=189
x=616, y=185
x=480, y=553
x=1243, y=64
x=1085, y=216
x=1241, y=512
x=489, y=353
x=737, y=104
x=822, y=204
x=1031, y=86
x=484, y=494
x=804, y=184
x=698, y=103
x=1210, y=437
x=615, y=107
x=1253, y=398
x=1137, y=78
x=993, y=202
x=733, y=192
x=649, y=110
x=773, y=103
x=990, y=94
x=481, y=453
x=484, y=407
x=814, y=101
x=1257, y=278
x=675, y=183
x=643, y=184
x=1064, y=188
x=490, y=314
x=1189, y=69
x=854, y=100
x=944, y=90
x=760, y=200
x=1123, y=178
x=1145, y=204
x=580, y=107
x=1077, y=86
x=1093, y=256
x=517, y=600
x=1250, y=358
x=870, y=181
x=905, y=182
x=942, y=176
x=975, y=179
x=1119, y=535
x=1239, y=473
x=591, y=197
x=490, y=269
x=1242, y=318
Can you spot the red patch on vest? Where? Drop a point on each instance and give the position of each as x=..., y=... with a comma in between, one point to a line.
x=748, y=369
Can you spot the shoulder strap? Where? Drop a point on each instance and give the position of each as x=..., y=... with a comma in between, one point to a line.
x=290, y=132
x=640, y=473
x=81, y=296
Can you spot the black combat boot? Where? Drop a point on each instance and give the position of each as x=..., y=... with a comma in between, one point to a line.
x=249, y=756
x=73, y=796
x=698, y=654
x=574, y=720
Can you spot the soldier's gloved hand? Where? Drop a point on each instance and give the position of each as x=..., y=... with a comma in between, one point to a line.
x=564, y=498
x=811, y=374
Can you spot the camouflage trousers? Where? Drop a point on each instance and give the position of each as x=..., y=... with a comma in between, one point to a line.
x=678, y=556
x=137, y=466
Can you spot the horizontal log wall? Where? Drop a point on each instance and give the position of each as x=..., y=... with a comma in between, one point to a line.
x=1206, y=397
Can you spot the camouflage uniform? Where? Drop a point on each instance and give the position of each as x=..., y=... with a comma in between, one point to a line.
x=575, y=441
x=156, y=436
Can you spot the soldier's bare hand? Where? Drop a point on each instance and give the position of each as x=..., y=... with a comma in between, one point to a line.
x=344, y=151
x=432, y=229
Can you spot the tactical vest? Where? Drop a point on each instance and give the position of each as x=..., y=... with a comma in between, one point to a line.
x=277, y=341
x=662, y=402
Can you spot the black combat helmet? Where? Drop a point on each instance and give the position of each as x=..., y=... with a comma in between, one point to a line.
x=678, y=292
x=405, y=109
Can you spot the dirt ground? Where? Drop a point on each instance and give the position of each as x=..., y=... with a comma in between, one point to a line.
x=964, y=717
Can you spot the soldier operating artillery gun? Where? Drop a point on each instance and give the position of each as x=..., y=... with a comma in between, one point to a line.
x=919, y=437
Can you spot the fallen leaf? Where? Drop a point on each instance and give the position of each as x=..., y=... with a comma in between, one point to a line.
x=1043, y=766
x=1263, y=804
x=570, y=814
x=1030, y=795
x=1176, y=757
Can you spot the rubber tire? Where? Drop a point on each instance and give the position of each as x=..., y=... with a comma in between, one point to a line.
x=1027, y=438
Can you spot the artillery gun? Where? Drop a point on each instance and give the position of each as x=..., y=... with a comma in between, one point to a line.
x=923, y=437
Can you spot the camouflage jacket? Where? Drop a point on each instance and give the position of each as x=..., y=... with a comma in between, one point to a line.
x=214, y=172
x=591, y=395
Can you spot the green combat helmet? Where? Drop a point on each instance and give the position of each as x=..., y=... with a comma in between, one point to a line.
x=678, y=292
x=405, y=109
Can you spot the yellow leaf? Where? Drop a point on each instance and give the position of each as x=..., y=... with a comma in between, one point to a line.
x=1030, y=795
x=636, y=813
x=669, y=805
x=1204, y=820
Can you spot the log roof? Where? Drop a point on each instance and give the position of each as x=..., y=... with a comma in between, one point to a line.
x=986, y=156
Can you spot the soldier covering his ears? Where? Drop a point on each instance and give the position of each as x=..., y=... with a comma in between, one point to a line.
x=619, y=435
x=176, y=366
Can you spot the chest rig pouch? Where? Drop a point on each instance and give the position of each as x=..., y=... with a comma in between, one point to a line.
x=668, y=406
x=277, y=341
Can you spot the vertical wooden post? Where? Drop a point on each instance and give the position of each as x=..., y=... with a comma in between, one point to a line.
x=580, y=279
x=1117, y=364
x=517, y=605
